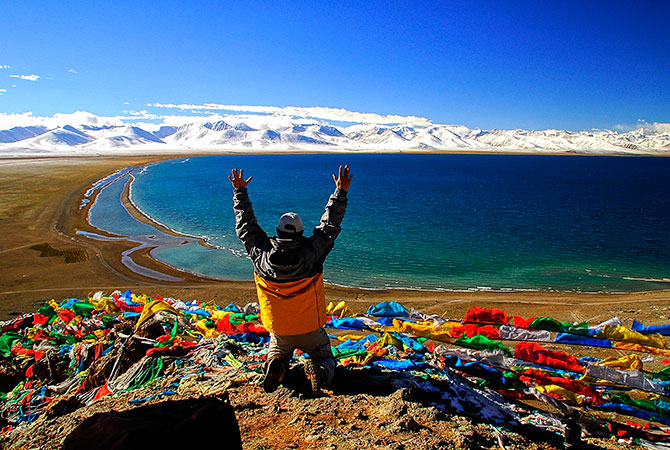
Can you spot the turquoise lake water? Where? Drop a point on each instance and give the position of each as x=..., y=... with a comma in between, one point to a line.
x=452, y=222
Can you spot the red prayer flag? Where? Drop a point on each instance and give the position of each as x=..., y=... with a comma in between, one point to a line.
x=39, y=319
x=487, y=315
x=66, y=315
x=520, y=322
x=533, y=352
x=472, y=329
x=104, y=390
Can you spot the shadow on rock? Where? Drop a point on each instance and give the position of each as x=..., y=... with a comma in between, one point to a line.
x=207, y=422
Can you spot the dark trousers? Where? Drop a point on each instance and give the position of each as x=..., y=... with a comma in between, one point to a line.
x=316, y=344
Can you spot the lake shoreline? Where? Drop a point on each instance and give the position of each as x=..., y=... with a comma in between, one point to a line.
x=29, y=278
x=516, y=232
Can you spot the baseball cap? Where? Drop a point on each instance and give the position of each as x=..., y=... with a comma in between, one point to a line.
x=290, y=226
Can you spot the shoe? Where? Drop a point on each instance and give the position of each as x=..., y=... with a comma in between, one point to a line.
x=314, y=378
x=274, y=374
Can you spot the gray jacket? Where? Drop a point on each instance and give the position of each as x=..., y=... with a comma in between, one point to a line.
x=294, y=260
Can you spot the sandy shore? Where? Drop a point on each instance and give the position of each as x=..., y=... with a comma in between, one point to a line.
x=40, y=204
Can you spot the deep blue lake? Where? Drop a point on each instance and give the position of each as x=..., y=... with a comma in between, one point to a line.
x=568, y=223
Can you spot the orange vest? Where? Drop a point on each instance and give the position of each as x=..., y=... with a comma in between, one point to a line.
x=295, y=307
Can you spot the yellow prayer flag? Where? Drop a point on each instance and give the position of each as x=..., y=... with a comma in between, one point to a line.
x=151, y=308
x=562, y=392
x=628, y=362
x=340, y=309
x=623, y=334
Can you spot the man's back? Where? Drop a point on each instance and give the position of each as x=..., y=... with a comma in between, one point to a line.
x=280, y=259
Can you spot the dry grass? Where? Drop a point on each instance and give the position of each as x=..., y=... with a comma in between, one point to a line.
x=71, y=255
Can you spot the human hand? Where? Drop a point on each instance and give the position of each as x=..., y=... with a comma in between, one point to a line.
x=343, y=180
x=238, y=179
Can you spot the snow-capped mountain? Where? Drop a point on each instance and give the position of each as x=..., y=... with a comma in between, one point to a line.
x=301, y=135
x=379, y=136
x=20, y=133
x=125, y=136
x=58, y=137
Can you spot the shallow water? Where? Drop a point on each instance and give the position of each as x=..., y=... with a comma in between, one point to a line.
x=453, y=222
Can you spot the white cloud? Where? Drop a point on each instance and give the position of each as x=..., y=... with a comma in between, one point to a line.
x=72, y=71
x=261, y=122
x=4, y=66
x=144, y=114
x=181, y=120
x=3, y=90
x=31, y=77
x=257, y=121
x=9, y=120
x=658, y=127
x=662, y=127
x=336, y=114
x=58, y=120
x=622, y=127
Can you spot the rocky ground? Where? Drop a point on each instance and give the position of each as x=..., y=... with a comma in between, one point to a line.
x=382, y=418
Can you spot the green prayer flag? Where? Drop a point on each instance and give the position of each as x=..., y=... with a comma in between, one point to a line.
x=622, y=397
x=480, y=342
x=47, y=310
x=108, y=322
x=82, y=309
x=7, y=341
x=347, y=352
x=546, y=323
x=580, y=328
x=237, y=318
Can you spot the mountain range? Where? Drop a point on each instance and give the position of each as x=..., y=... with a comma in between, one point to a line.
x=303, y=136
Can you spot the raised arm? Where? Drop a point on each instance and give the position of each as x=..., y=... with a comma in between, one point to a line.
x=237, y=178
x=329, y=228
x=343, y=180
x=246, y=226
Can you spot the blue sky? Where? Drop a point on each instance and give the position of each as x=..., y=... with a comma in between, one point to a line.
x=497, y=64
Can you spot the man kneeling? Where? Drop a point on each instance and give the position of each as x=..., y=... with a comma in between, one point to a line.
x=288, y=271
